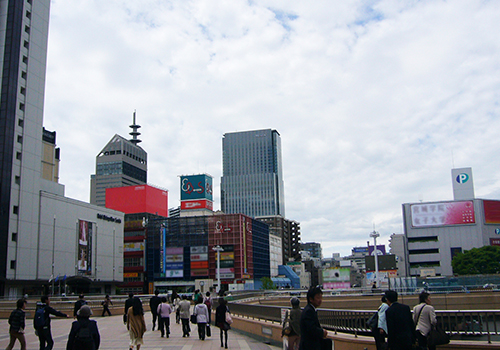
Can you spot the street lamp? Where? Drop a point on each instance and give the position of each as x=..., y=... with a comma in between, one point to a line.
x=218, y=249
x=374, y=235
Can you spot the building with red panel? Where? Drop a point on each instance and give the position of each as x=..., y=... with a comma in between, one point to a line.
x=140, y=203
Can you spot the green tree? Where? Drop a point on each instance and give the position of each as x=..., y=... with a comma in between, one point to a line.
x=477, y=261
x=267, y=283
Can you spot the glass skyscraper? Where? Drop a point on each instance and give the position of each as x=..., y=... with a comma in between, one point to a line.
x=252, y=174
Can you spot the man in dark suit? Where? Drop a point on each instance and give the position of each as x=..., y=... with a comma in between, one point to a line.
x=311, y=333
x=400, y=327
x=153, y=305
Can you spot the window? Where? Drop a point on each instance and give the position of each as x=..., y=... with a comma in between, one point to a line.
x=26, y=44
x=23, y=90
x=24, y=75
x=18, y=156
x=21, y=121
x=17, y=179
x=14, y=236
x=28, y=14
x=25, y=59
x=21, y=107
x=13, y=264
x=15, y=210
x=19, y=139
x=27, y=29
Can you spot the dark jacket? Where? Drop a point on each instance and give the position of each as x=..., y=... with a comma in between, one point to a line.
x=311, y=333
x=75, y=327
x=49, y=311
x=17, y=320
x=400, y=327
x=128, y=303
x=153, y=304
x=220, y=317
x=78, y=304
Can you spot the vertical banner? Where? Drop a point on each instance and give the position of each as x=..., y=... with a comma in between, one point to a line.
x=84, y=246
x=163, y=247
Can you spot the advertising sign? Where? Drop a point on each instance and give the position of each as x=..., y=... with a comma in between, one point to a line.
x=84, y=246
x=199, y=257
x=360, y=250
x=198, y=250
x=197, y=204
x=174, y=262
x=133, y=247
x=491, y=212
x=463, y=185
x=494, y=241
x=196, y=187
x=174, y=273
x=442, y=214
x=380, y=250
x=336, y=275
x=199, y=272
x=337, y=285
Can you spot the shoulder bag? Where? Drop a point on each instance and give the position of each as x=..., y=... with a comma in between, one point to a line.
x=229, y=319
x=437, y=336
x=287, y=327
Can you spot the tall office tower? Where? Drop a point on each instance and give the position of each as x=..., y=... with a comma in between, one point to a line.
x=252, y=175
x=23, y=53
x=120, y=163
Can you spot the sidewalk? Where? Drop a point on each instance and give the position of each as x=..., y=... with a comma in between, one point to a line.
x=114, y=335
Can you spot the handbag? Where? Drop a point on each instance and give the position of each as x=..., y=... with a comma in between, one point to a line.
x=437, y=336
x=229, y=319
x=194, y=319
x=372, y=322
x=209, y=331
x=287, y=327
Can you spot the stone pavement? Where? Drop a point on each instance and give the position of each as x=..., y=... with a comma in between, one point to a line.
x=114, y=335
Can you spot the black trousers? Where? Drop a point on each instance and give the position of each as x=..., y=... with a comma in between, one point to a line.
x=202, y=327
x=422, y=342
x=185, y=326
x=164, y=323
x=155, y=316
x=45, y=338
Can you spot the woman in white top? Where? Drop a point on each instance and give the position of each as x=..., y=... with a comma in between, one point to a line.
x=201, y=312
x=380, y=332
x=424, y=316
x=164, y=310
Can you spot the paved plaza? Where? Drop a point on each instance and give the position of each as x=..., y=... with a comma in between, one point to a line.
x=114, y=335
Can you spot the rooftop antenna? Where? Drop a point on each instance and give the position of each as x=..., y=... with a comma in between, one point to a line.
x=134, y=132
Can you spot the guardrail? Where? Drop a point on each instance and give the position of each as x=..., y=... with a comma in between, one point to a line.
x=477, y=323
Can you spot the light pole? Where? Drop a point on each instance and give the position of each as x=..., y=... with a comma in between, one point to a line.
x=374, y=235
x=53, y=252
x=218, y=249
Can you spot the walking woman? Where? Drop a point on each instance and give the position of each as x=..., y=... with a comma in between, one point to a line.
x=294, y=337
x=220, y=320
x=424, y=316
x=201, y=312
x=135, y=324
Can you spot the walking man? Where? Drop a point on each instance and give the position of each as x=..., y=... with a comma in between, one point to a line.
x=153, y=305
x=78, y=304
x=42, y=322
x=311, y=333
x=184, y=307
x=17, y=325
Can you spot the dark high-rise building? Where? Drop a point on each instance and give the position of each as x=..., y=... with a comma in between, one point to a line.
x=289, y=231
x=120, y=163
x=313, y=248
x=252, y=175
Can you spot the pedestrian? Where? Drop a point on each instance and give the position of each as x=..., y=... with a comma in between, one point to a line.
x=84, y=334
x=295, y=313
x=424, y=317
x=135, y=324
x=184, y=307
x=128, y=304
x=105, y=305
x=153, y=306
x=41, y=322
x=207, y=300
x=197, y=295
x=164, y=310
x=175, y=306
x=380, y=332
x=201, y=312
x=17, y=320
x=220, y=320
x=78, y=304
x=311, y=333
x=400, y=327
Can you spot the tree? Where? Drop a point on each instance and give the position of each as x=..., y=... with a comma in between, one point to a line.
x=267, y=283
x=484, y=260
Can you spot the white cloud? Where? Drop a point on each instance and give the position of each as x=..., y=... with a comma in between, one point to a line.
x=375, y=101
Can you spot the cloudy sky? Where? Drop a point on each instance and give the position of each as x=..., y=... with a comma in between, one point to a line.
x=375, y=101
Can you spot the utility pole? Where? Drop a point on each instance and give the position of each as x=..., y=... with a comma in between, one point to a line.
x=374, y=235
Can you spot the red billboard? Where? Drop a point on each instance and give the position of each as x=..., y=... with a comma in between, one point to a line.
x=197, y=204
x=491, y=212
x=138, y=199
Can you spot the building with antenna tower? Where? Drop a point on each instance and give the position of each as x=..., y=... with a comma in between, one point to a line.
x=120, y=163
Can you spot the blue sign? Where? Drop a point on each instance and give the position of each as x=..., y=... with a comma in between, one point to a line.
x=196, y=187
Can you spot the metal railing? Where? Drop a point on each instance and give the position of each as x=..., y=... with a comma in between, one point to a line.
x=479, y=324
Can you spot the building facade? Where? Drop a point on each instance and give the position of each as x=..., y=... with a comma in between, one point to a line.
x=289, y=232
x=313, y=248
x=252, y=174
x=120, y=163
x=436, y=231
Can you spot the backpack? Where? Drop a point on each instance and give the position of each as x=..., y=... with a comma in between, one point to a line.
x=208, y=303
x=39, y=320
x=84, y=338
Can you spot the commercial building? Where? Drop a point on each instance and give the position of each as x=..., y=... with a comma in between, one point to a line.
x=313, y=248
x=180, y=250
x=140, y=203
x=252, y=175
x=44, y=236
x=436, y=231
x=120, y=163
x=289, y=232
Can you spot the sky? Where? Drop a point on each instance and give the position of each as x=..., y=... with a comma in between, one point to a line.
x=375, y=101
